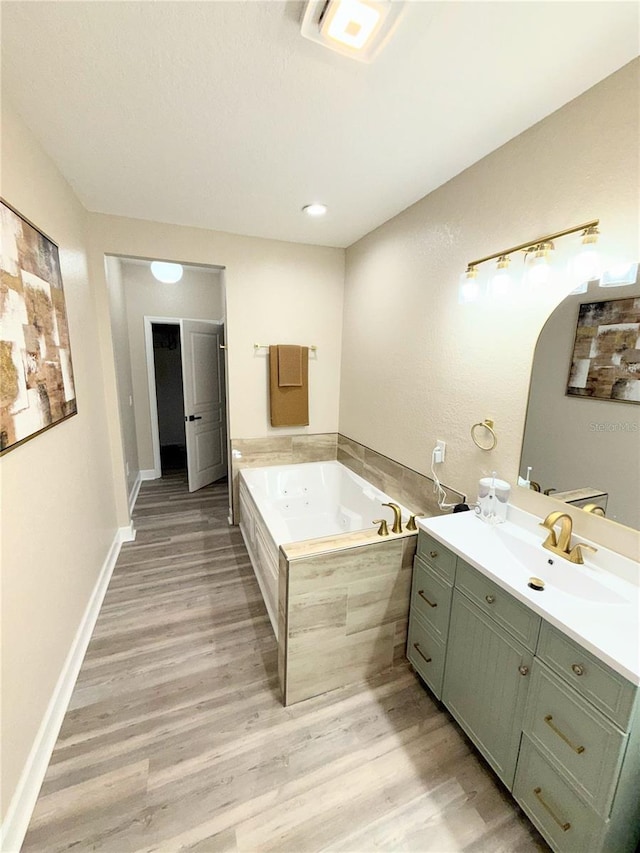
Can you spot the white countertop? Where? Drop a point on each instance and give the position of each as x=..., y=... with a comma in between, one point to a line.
x=609, y=629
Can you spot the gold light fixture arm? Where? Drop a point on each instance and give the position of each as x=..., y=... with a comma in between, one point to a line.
x=531, y=245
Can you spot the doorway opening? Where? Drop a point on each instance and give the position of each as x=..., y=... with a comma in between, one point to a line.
x=167, y=360
x=188, y=404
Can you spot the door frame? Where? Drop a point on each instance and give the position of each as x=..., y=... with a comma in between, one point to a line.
x=151, y=379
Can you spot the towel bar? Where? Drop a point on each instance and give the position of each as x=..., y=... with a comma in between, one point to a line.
x=313, y=347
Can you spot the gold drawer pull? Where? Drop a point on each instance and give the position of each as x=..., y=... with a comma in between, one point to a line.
x=563, y=826
x=548, y=720
x=489, y=599
x=577, y=668
x=422, y=595
x=416, y=646
x=433, y=554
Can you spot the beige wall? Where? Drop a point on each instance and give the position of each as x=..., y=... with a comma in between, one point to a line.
x=575, y=442
x=58, y=514
x=198, y=295
x=275, y=293
x=122, y=359
x=416, y=365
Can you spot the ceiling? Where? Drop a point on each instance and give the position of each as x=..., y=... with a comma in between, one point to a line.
x=220, y=115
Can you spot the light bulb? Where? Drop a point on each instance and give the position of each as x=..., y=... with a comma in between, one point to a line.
x=469, y=289
x=539, y=271
x=165, y=272
x=501, y=282
x=315, y=209
x=587, y=265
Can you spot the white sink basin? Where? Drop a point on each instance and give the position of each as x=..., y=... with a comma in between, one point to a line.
x=581, y=581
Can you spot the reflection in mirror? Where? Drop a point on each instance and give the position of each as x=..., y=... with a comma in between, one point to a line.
x=585, y=449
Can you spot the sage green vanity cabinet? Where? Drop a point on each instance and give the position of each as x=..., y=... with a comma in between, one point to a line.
x=558, y=726
x=431, y=589
x=485, y=684
x=578, y=773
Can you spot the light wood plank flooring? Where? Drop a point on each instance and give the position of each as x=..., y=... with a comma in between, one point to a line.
x=175, y=738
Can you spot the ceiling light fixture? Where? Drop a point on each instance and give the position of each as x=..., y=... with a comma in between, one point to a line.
x=165, y=272
x=355, y=28
x=315, y=209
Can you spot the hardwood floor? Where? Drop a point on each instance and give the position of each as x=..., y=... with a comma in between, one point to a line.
x=176, y=739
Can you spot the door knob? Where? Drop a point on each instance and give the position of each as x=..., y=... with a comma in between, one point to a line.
x=194, y=418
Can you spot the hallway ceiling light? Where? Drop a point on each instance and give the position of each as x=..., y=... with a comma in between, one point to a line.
x=315, y=209
x=165, y=272
x=355, y=28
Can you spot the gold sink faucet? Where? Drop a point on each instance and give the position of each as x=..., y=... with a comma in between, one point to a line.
x=397, y=517
x=561, y=544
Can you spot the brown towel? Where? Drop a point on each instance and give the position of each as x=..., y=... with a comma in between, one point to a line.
x=289, y=404
x=289, y=366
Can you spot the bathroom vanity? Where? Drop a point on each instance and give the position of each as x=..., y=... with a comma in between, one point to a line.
x=545, y=683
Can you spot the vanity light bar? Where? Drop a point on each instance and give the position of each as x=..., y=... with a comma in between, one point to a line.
x=533, y=245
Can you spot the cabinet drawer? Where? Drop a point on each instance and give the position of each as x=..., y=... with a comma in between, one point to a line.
x=567, y=823
x=579, y=741
x=431, y=598
x=426, y=653
x=521, y=622
x=608, y=690
x=437, y=555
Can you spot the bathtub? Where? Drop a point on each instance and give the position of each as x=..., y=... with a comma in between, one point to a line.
x=290, y=503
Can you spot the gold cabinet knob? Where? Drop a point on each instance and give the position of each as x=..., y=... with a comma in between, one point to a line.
x=523, y=670
x=433, y=554
x=490, y=599
x=577, y=668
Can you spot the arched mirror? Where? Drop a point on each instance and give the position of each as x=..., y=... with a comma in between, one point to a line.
x=582, y=433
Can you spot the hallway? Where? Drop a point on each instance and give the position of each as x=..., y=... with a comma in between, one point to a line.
x=175, y=737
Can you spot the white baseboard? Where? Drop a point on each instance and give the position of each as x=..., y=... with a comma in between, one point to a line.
x=133, y=495
x=150, y=474
x=16, y=822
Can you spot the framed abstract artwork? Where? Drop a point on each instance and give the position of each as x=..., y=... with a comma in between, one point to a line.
x=606, y=354
x=36, y=375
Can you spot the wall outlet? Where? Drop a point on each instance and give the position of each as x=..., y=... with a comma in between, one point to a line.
x=439, y=452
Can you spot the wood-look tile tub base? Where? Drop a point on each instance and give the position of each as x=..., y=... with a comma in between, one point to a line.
x=342, y=611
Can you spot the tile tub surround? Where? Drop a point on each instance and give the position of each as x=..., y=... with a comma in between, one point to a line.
x=342, y=610
x=278, y=450
x=412, y=489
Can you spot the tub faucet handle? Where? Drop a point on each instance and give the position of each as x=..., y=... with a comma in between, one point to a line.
x=397, y=517
x=384, y=530
x=411, y=524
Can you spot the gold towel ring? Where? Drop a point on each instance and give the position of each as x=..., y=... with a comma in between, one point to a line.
x=488, y=425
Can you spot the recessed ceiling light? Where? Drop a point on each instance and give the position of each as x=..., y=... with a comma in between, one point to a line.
x=165, y=272
x=355, y=28
x=315, y=209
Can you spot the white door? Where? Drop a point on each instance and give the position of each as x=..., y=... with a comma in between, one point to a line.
x=204, y=401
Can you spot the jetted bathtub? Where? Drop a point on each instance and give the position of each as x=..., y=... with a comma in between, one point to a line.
x=291, y=503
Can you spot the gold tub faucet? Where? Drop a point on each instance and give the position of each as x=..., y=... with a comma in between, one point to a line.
x=397, y=517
